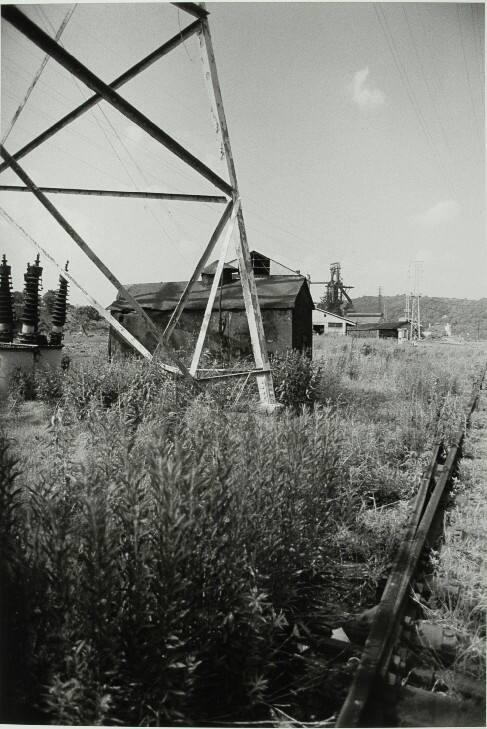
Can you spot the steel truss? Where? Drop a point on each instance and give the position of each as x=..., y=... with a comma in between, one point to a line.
x=231, y=216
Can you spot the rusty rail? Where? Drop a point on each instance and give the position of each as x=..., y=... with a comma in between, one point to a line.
x=386, y=625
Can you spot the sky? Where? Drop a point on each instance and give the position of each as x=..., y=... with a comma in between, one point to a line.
x=357, y=131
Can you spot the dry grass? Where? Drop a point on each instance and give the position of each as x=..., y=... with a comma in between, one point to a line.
x=460, y=565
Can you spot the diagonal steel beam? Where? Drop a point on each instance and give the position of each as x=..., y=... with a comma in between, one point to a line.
x=249, y=288
x=120, y=193
x=172, y=323
x=32, y=31
x=193, y=9
x=20, y=172
x=128, y=75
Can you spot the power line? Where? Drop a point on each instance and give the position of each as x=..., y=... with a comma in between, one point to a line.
x=407, y=85
x=478, y=41
x=37, y=75
x=427, y=84
x=134, y=162
x=469, y=82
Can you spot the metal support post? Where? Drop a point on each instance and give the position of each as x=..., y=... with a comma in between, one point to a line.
x=249, y=289
x=108, y=93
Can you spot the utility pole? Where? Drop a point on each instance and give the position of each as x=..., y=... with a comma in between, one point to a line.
x=413, y=302
x=419, y=316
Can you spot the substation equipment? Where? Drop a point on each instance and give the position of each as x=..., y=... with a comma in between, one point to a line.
x=27, y=348
x=229, y=196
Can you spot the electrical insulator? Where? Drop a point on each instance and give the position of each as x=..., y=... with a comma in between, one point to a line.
x=30, y=313
x=59, y=311
x=6, y=302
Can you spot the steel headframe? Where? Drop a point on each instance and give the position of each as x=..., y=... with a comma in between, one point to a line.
x=232, y=213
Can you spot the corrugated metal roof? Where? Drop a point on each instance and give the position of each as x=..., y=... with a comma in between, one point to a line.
x=364, y=317
x=383, y=325
x=332, y=314
x=274, y=292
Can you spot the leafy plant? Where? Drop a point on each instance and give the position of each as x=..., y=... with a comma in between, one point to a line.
x=296, y=379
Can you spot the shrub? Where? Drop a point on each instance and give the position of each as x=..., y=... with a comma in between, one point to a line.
x=296, y=379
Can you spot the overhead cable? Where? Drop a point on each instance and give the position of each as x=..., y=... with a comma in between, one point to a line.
x=469, y=81
x=407, y=85
x=428, y=86
x=37, y=75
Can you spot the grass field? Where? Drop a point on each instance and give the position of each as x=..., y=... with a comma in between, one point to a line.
x=174, y=559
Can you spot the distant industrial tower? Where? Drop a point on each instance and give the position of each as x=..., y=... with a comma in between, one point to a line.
x=407, y=308
x=415, y=320
x=413, y=309
x=336, y=291
x=382, y=306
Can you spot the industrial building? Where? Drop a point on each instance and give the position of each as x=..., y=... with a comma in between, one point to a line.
x=284, y=299
x=398, y=330
x=330, y=324
x=365, y=317
x=337, y=301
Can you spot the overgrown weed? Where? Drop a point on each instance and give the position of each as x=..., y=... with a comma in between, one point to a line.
x=171, y=570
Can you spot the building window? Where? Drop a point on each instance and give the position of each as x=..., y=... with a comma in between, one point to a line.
x=335, y=324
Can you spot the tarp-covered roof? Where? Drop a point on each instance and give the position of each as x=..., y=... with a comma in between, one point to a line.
x=274, y=292
x=211, y=267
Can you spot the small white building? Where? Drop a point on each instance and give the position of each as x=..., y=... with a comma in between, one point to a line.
x=325, y=322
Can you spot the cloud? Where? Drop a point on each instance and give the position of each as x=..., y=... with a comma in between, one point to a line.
x=363, y=95
x=443, y=212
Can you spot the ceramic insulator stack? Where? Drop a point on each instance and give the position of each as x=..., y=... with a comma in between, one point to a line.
x=59, y=311
x=6, y=302
x=30, y=313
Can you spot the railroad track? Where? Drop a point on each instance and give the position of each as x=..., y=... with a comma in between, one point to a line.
x=375, y=693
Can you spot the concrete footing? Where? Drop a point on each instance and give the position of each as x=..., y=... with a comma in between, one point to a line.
x=26, y=357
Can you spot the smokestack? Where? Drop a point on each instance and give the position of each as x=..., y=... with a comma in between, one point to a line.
x=6, y=303
x=59, y=310
x=30, y=313
x=382, y=307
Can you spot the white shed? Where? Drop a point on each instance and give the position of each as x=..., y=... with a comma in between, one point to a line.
x=328, y=323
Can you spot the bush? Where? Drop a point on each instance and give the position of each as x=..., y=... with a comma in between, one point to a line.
x=296, y=379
